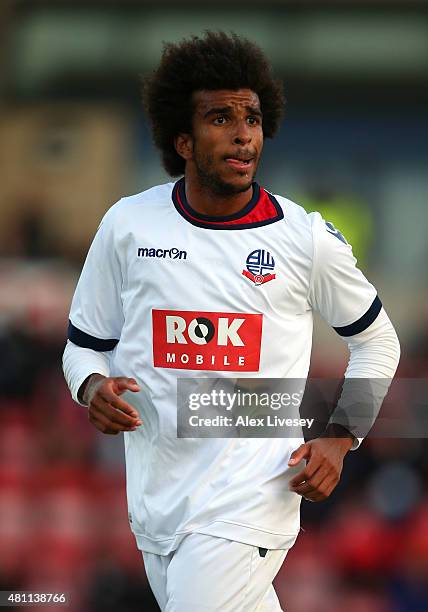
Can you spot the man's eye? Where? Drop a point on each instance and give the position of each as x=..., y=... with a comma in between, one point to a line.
x=253, y=120
x=220, y=120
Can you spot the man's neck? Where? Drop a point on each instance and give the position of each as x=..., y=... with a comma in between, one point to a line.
x=205, y=202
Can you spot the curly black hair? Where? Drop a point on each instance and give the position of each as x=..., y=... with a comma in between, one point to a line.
x=215, y=61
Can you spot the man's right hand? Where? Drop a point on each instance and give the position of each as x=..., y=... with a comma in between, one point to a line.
x=106, y=410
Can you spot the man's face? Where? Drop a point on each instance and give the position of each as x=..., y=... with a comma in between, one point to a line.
x=227, y=139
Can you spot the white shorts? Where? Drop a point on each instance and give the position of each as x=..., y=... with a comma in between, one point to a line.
x=208, y=574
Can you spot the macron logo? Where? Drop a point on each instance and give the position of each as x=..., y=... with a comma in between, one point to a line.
x=173, y=253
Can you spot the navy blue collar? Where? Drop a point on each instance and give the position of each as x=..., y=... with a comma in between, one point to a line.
x=262, y=209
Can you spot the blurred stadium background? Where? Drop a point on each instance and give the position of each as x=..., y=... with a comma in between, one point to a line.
x=73, y=139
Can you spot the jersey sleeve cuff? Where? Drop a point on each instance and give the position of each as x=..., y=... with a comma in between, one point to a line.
x=356, y=443
x=84, y=340
x=363, y=322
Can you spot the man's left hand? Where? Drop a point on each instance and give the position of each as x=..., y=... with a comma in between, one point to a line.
x=323, y=468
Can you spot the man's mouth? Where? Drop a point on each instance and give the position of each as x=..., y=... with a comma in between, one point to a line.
x=240, y=163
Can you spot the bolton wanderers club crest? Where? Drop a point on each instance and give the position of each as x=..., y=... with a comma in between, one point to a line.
x=260, y=265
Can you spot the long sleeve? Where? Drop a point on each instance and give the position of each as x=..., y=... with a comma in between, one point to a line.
x=78, y=363
x=96, y=315
x=344, y=297
x=374, y=357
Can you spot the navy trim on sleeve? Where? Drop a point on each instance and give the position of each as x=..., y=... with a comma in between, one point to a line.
x=84, y=340
x=363, y=322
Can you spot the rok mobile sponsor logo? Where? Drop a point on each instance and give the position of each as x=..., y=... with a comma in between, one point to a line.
x=173, y=253
x=193, y=340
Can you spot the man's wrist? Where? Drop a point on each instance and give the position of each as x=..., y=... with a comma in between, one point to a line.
x=86, y=387
x=339, y=432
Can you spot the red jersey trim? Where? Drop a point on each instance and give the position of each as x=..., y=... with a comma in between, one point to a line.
x=262, y=209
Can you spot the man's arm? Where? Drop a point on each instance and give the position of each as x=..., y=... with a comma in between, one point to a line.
x=87, y=374
x=374, y=356
x=343, y=296
x=96, y=320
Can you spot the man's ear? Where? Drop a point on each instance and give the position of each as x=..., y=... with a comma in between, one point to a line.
x=184, y=146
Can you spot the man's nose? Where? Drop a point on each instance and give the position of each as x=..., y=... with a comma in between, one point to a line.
x=242, y=134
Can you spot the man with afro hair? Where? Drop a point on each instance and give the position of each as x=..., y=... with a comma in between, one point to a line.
x=212, y=277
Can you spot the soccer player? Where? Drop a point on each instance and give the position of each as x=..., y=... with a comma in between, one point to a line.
x=214, y=276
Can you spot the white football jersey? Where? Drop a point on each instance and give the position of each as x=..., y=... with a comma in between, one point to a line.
x=171, y=293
